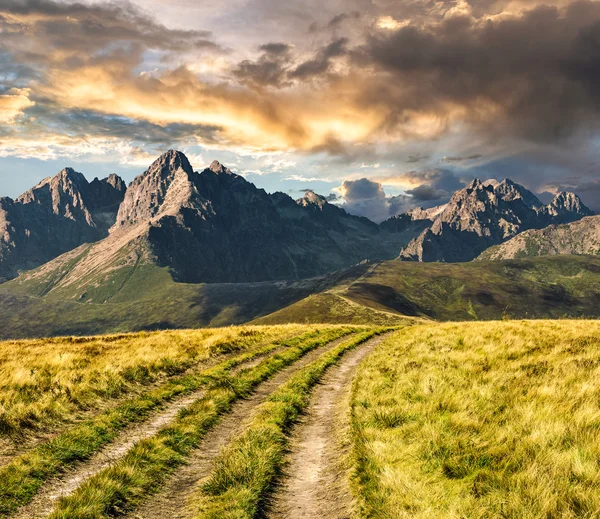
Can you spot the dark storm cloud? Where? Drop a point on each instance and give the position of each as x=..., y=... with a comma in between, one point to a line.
x=362, y=189
x=366, y=197
x=85, y=28
x=84, y=122
x=536, y=75
x=270, y=69
x=427, y=182
x=451, y=160
x=413, y=159
x=427, y=193
x=276, y=67
x=276, y=49
x=321, y=62
x=339, y=19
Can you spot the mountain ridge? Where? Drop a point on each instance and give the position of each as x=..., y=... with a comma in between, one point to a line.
x=55, y=216
x=484, y=214
x=214, y=226
x=581, y=237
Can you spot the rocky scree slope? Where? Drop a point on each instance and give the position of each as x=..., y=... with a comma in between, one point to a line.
x=576, y=238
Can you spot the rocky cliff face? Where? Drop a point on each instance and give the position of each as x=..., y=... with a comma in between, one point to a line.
x=214, y=226
x=485, y=214
x=57, y=215
x=580, y=237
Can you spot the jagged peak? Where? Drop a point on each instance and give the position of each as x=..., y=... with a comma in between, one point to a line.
x=218, y=168
x=475, y=184
x=69, y=175
x=165, y=187
x=171, y=161
x=115, y=181
x=67, y=179
x=312, y=198
x=569, y=201
x=509, y=190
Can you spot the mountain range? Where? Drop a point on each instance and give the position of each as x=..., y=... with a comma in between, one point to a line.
x=184, y=248
x=54, y=217
x=484, y=214
x=580, y=237
x=214, y=226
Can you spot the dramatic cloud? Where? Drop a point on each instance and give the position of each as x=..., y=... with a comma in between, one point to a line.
x=366, y=197
x=270, y=69
x=533, y=74
x=456, y=88
x=321, y=63
x=12, y=104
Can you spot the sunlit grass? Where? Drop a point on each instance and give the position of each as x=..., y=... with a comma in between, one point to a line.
x=246, y=470
x=51, y=380
x=141, y=471
x=480, y=420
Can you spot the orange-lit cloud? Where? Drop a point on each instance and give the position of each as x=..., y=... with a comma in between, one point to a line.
x=13, y=103
x=354, y=82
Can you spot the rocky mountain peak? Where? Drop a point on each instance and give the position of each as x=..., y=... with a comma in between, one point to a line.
x=510, y=191
x=162, y=189
x=218, y=168
x=311, y=198
x=55, y=216
x=116, y=182
x=567, y=205
x=475, y=184
x=168, y=164
x=487, y=213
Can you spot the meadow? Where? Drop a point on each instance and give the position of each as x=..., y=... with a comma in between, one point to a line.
x=496, y=419
x=480, y=420
x=45, y=382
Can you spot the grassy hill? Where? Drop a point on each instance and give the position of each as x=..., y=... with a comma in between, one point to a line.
x=142, y=297
x=330, y=307
x=138, y=297
x=545, y=287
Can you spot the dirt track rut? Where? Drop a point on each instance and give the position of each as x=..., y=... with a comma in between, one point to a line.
x=42, y=504
x=315, y=485
x=175, y=501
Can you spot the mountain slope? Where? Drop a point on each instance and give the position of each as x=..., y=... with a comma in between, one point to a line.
x=540, y=288
x=581, y=237
x=485, y=214
x=212, y=227
x=57, y=215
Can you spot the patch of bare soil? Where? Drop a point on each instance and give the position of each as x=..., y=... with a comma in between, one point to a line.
x=315, y=485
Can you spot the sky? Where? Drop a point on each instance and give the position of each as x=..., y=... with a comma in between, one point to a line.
x=382, y=105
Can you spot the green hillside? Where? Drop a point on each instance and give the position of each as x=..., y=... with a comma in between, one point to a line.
x=329, y=307
x=545, y=287
x=144, y=297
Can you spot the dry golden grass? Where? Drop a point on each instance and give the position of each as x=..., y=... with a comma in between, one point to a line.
x=51, y=380
x=480, y=420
